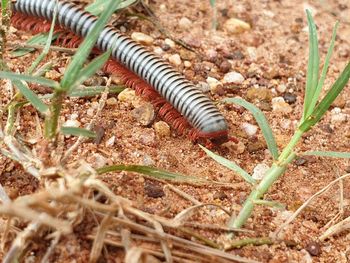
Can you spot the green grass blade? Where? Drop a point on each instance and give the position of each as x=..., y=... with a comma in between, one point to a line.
x=39, y=80
x=93, y=91
x=315, y=97
x=328, y=154
x=39, y=39
x=97, y=7
x=230, y=165
x=91, y=69
x=31, y=96
x=262, y=122
x=66, y=130
x=326, y=102
x=46, y=49
x=85, y=48
x=313, y=66
x=152, y=172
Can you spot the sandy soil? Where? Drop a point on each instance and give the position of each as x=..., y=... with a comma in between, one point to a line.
x=272, y=53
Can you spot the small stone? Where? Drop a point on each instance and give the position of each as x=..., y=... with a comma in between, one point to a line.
x=97, y=160
x=166, y=47
x=175, y=59
x=185, y=23
x=162, y=129
x=313, y=248
x=256, y=146
x=233, y=77
x=280, y=106
x=290, y=98
x=339, y=102
x=225, y=66
x=110, y=142
x=281, y=88
x=169, y=42
x=265, y=106
x=71, y=123
x=153, y=189
x=237, y=55
x=142, y=38
x=127, y=95
x=326, y=128
x=187, y=64
x=203, y=86
x=220, y=195
x=111, y=101
x=148, y=138
x=144, y=114
x=235, y=147
x=213, y=82
x=271, y=73
x=260, y=171
x=249, y=129
x=236, y=26
x=53, y=74
x=158, y=51
x=147, y=160
x=259, y=94
x=252, y=53
x=211, y=55
x=337, y=116
x=300, y=161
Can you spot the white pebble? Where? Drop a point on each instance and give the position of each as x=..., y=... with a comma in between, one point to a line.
x=110, y=142
x=111, y=101
x=236, y=26
x=142, y=38
x=71, y=123
x=127, y=95
x=252, y=53
x=74, y=116
x=187, y=64
x=233, y=77
x=249, y=129
x=280, y=106
x=185, y=23
x=260, y=171
x=337, y=116
x=169, y=42
x=213, y=82
x=281, y=88
x=158, y=51
x=175, y=59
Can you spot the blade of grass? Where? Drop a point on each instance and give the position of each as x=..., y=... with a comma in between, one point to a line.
x=326, y=102
x=66, y=130
x=150, y=171
x=91, y=69
x=328, y=154
x=313, y=66
x=97, y=7
x=46, y=49
x=31, y=96
x=317, y=93
x=28, y=78
x=230, y=165
x=262, y=122
x=39, y=39
x=93, y=91
x=85, y=48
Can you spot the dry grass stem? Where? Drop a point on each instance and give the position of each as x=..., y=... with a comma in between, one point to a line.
x=183, y=194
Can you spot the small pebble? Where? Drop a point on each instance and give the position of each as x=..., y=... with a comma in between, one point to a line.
x=259, y=94
x=175, y=59
x=144, y=114
x=337, y=116
x=127, y=95
x=225, y=66
x=280, y=106
x=211, y=55
x=158, y=51
x=147, y=160
x=185, y=23
x=290, y=98
x=249, y=129
x=142, y=38
x=166, y=47
x=187, y=64
x=162, y=129
x=233, y=77
x=53, y=74
x=203, y=86
x=110, y=142
x=237, y=55
x=148, y=138
x=213, y=82
x=220, y=195
x=169, y=42
x=313, y=248
x=236, y=26
x=260, y=171
x=281, y=88
x=111, y=101
x=97, y=160
x=300, y=161
x=252, y=53
x=339, y=102
x=71, y=123
x=153, y=189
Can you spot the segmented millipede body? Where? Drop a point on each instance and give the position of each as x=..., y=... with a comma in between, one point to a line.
x=141, y=65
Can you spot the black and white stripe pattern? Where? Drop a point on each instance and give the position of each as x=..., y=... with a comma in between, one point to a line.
x=182, y=94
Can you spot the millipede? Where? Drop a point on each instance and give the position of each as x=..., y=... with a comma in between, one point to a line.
x=178, y=100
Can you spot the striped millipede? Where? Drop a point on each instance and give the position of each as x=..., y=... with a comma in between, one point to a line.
x=138, y=66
